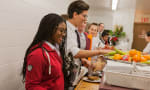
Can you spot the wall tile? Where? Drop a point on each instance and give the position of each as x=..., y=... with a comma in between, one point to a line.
x=19, y=20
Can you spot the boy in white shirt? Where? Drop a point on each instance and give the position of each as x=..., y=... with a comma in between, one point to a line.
x=77, y=12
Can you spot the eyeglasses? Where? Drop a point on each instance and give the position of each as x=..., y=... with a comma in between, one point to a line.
x=85, y=16
x=62, y=30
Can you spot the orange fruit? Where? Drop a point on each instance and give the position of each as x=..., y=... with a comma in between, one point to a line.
x=136, y=58
x=130, y=59
x=143, y=59
x=132, y=52
x=138, y=52
x=117, y=57
x=147, y=57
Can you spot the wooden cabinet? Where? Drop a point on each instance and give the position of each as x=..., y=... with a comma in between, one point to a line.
x=139, y=42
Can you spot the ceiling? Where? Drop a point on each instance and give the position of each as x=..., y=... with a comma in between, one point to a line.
x=106, y=4
x=100, y=4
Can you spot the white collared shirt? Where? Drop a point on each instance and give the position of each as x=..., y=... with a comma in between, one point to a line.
x=53, y=47
x=82, y=40
x=95, y=42
x=147, y=48
x=72, y=44
x=99, y=34
x=101, y=44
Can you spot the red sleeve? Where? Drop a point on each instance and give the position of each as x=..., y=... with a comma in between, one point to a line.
x=34, y=72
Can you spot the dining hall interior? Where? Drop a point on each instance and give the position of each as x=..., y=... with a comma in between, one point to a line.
x=19, y=21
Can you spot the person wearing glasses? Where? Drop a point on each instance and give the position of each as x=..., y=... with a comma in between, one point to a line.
x=77, y=13
x=42, y=67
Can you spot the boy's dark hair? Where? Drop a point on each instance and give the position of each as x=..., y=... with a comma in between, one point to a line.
x=92, y=24
x=100, y=24
x=148, y=33
x=77, y=6
x=105, y=33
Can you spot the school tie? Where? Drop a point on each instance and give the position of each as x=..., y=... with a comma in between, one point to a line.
x=78, y=38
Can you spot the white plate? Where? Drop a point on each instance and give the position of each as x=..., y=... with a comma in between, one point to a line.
x=95, y=81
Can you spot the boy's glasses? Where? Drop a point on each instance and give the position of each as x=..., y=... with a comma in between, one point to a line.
x=85, y=16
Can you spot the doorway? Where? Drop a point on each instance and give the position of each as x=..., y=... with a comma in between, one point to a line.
x=140, y=29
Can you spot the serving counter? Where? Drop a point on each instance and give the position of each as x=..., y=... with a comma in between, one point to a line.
x=83, y=85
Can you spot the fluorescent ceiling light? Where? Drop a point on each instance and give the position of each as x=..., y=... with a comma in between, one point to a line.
x=114, y=4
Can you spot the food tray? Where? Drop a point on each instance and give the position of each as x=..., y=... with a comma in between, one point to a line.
x=126, y=77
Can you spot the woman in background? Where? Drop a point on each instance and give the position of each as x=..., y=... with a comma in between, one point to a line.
x=92, y=31
x=147, y=39
x=42, y=68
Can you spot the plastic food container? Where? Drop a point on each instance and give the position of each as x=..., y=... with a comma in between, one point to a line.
x=127, y=76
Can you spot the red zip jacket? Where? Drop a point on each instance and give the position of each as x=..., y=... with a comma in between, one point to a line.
x=37, y=71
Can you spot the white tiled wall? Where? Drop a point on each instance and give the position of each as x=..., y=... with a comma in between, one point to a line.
x=19, y=21
x=126, y=18
x=101, y=16
x=124, y=15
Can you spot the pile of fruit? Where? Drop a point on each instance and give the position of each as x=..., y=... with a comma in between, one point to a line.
x=132, y=55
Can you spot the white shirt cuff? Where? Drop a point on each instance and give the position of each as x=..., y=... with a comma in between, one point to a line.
x=75, y=51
